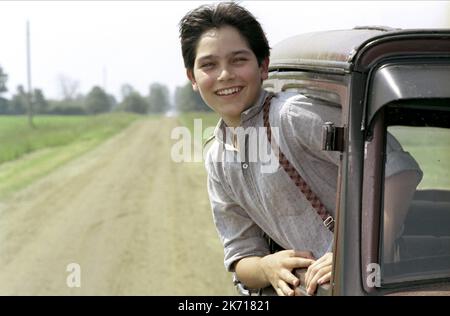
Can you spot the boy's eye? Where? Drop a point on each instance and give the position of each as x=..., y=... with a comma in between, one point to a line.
x=207, y=65
x=240, y=59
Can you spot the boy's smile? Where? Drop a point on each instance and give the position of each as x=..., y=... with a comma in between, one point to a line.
x=226, y=73
x=229, y=91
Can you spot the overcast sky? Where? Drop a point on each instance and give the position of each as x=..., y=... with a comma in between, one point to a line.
x=109, y=43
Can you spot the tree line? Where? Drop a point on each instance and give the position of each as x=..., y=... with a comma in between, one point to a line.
x=97, y=100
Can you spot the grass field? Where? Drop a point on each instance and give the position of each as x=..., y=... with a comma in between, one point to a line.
x=431, y=149
x=17, y=138
x=27, y=154
x=209, y=119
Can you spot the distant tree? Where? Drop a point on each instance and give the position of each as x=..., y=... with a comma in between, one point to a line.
x=158, y=98
x=187, y=100
x=3, y=79
x=19, y=101
x=68, y=107
x=126, y=89
x=40, y=104
x=135, y=103
x=4, y=106
x=69, y=87
x=112, y=101
x=97, y=101
x=65, y=107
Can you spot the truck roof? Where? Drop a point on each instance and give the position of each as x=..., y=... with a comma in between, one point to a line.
x=333, y=51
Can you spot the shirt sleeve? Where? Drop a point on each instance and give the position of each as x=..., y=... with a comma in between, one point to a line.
x=398, y=160
x=303, y=118
x=239, y=234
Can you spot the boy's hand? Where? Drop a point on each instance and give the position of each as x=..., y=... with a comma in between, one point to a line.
x=278, y=268
x=319, y=273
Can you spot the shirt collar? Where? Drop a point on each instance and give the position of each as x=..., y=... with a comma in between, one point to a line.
x=219, y=131
x=255, y=108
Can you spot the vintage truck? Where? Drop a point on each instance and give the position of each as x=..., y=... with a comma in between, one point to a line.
x=384, y=80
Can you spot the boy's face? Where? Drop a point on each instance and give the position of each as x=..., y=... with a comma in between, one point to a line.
x=226, y=73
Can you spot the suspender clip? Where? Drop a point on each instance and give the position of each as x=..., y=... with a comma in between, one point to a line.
x=332, y=137
x=329, y=222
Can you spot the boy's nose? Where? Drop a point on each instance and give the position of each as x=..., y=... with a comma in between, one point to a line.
x=225, y=74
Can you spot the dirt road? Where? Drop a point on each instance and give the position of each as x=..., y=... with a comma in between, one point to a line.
x=136, y=223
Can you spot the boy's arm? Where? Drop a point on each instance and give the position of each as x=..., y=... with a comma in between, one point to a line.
x=245, y=247
x=240, y=235
x=249, y=272
x=402, y=175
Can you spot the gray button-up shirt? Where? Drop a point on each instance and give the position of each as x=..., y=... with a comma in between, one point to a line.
x=249, y=199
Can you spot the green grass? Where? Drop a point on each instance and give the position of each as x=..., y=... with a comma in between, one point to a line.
x=208, y=119
x=431, y=149
x=27, y=154
x=18, y=139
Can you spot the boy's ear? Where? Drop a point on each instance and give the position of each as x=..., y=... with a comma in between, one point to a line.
x=191, y=77
x=265, y=68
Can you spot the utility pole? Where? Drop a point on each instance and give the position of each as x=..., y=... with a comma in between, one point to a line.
x=30, y=92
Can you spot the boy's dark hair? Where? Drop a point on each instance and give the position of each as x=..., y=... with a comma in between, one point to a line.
x=207, y=17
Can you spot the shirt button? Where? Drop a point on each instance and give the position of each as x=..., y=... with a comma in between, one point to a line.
x=245, y=165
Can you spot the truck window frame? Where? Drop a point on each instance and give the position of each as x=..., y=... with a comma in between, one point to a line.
x=383, y=91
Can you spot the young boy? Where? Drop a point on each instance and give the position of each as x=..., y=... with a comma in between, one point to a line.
x=226, y=55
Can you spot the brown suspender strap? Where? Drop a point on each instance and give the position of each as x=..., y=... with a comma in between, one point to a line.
x=327, y=219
